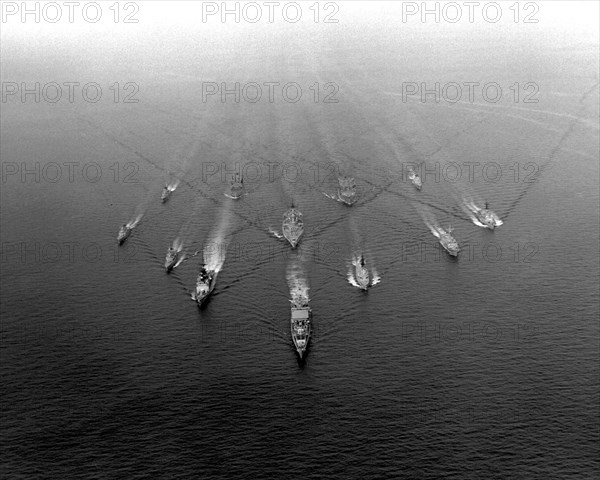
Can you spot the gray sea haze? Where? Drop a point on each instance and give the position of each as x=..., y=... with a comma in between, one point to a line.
x=484, y=366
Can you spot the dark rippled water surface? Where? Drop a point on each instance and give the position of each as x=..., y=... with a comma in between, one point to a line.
x=485, y=366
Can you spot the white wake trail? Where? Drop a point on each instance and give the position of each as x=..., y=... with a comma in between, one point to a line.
x=297, y=280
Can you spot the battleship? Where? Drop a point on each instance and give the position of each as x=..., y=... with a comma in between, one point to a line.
x=448, y=241
x=171, y=259
x=346, y=192
x=293, y=226
x=486, y=217
x=205, y=284
x=300, y=323
x=166, y=193
x=124, y=232
x=362, y=274
x=236, y=189
x=414, y=178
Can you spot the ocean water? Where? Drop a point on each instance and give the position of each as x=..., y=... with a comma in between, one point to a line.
x=484, y=366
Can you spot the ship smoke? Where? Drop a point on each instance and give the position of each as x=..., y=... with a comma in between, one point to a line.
x=215, y=250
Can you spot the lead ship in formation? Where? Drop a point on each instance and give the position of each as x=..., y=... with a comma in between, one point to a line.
x=346, y=190
x=124, y=232
x=166, y=194
x=205, y=284
x=236, y=190
x=362, y=274
x=171, y=259
x=486, y=217
x=293, y=226
x=449, y=242
x=414, y=178
x=300, y=323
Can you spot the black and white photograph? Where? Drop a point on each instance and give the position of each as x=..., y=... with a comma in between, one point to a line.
x=300, y=240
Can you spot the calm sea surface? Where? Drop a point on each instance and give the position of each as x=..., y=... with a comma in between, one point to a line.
x=485, y=366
